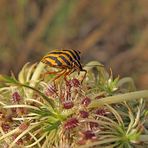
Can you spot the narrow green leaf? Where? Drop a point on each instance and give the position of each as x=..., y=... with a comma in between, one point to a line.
x=52, y=126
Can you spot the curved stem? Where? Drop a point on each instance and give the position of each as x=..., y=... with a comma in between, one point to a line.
x=99, y=143
x=37, y=73
x=128, y=80
x=119, y=98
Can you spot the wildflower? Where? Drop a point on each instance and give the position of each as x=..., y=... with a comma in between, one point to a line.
x=85, y=136
x=5, y=127
x=16, y=97
x=75, y=82
x=71, y=123
x=68, y=104
x=88, y=135
x=86, y=101
x=23, y=126
x=101, y=112
x=50, y=90
x=71, y=119
x=84, y=114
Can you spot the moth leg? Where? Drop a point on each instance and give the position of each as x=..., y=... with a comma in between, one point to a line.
x=49, y=72
x=67, y=73
x=60, y=74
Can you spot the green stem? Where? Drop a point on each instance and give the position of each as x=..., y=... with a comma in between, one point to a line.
x=21, y=106
x=119, y=98
x=99, y=143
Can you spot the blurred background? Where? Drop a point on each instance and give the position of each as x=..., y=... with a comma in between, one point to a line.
x=114, y=32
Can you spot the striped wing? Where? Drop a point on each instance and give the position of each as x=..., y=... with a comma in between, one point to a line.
x=58, y=58
x=63, y=59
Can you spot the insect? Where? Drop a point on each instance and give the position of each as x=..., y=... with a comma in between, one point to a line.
x=68, y=61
